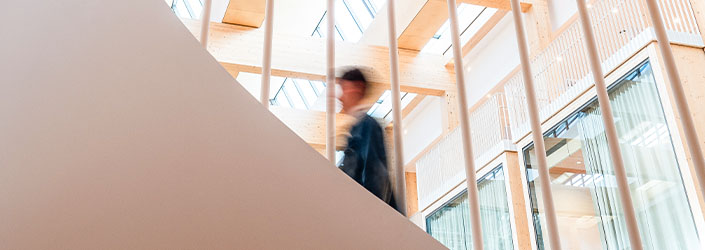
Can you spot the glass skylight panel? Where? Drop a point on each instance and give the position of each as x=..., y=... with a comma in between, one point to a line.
x=320, y=30
x=307, y=90
x=352, y=17
x=389, y=115
x=294, y=96
x=378, y=104
x=376, y=4
x=281, y=100
x=187, y=8
x=360, y=12
x=180, y=9
x=196, y=8
x=468, y=16
x=319, y=86
x=345, y=23
x=382, y=109
x=407, y=99
x=470, y=31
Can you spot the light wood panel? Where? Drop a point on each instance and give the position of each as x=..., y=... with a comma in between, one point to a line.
x=432, y=16
x=412, y=197
x=498, y=4
x=424, y=25
x=449, y=111
x=538, y=26
x=245, y=12
x=239, y=49
x=519, y=204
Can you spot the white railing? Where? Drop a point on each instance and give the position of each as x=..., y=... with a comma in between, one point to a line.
x=442, y=167
x=561, y=72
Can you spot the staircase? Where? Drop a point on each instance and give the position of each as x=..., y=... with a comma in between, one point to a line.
x=118, y=131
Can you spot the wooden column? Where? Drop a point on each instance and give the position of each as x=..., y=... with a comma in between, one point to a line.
x=449, y=111
x=519, y=204
x=690, y=62
x=412, y=196
x=538, y=26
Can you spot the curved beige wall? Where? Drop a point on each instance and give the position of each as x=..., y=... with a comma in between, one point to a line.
x=117, y=131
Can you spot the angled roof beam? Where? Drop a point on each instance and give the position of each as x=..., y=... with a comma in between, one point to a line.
x=239, y=49
x=245, y=12
x=497, y=4
x=432, y=16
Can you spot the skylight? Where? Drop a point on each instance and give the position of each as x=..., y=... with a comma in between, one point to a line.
x=311, y=95
x=288, y=92
x=187, y=8
x=470, y=20
x=382, y=109
x=351, y=19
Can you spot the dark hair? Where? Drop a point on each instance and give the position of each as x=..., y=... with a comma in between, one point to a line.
x=356, y=75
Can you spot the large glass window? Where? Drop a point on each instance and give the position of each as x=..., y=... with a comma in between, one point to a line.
x=450, y=224
x=584, y=187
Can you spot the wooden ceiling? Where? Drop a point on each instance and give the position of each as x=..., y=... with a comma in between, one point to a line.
x=435, y=12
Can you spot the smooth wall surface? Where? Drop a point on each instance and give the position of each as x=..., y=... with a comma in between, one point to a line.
x=120, y=132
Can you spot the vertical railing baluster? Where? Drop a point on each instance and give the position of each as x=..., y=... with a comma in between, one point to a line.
x=267, y=54
x=473, y=197
x=539, y=144
x=205, y=23
x=603, y=99
x=680, y=99
x=400, y=183
x=330, y=81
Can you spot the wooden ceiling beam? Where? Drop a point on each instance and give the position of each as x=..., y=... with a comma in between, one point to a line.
x=245, y=12
x=432, y=16
x=424, y=25
x=239, y=49
x=498, y=4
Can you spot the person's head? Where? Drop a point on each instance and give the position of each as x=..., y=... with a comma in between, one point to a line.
x=354, y=87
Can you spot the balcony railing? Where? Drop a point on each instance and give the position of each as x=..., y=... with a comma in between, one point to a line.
x=442, y=167
x=561, y=72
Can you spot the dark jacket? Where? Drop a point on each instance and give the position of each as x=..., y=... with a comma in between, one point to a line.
x=366, y=159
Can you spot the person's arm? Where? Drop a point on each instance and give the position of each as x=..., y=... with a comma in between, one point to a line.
x=375, y=175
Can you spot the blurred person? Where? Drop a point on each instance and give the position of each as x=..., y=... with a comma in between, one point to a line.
x=365, y=158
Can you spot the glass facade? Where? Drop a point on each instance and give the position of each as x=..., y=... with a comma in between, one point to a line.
x=450, y=224
x=584, y=187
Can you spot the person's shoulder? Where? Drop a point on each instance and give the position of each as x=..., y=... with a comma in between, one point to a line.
x=370, y=121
